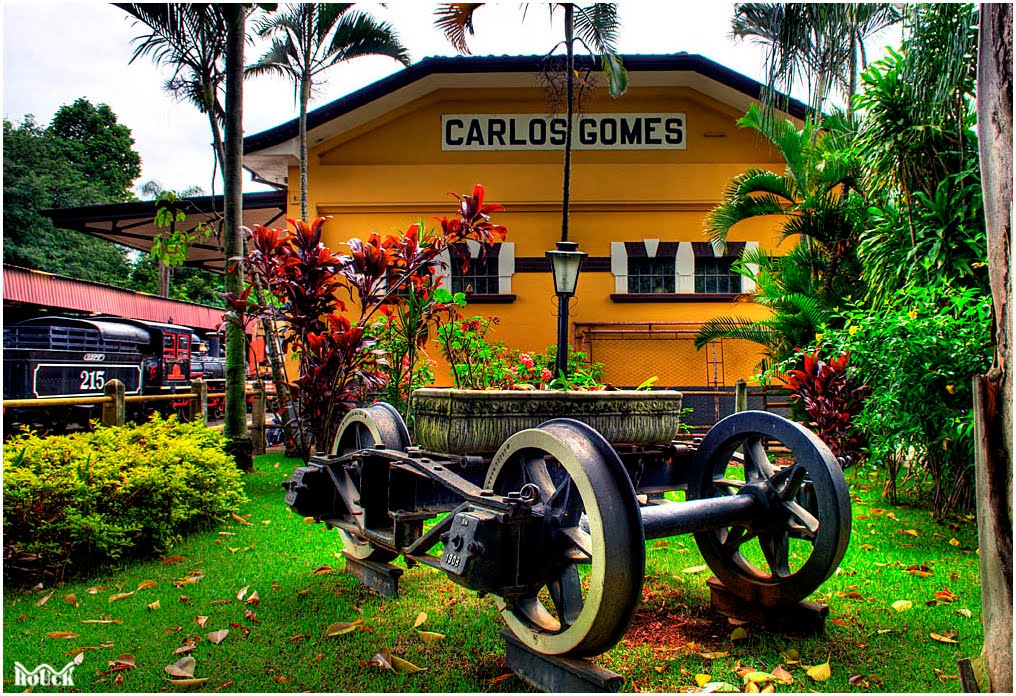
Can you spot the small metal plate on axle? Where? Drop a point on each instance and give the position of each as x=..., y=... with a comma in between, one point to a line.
x=803, y=617
x=380, y=577
x=555, y=674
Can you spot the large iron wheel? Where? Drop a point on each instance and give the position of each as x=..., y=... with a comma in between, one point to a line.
x=596, y=558
x=797, y=544
x=363, y=428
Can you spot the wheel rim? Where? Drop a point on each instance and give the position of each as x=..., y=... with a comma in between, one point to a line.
x=597, y=561
x=785, y=556
x=363, y=428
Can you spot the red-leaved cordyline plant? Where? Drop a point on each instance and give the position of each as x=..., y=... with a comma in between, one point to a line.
x=338, y=361
x=831, y=399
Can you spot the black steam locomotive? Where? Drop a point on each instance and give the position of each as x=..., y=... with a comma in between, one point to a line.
x=58, y=356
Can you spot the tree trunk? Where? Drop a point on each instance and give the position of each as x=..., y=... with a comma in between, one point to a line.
x=304, y=99
x=235, y=428
x=569, y=37
x=994, y=425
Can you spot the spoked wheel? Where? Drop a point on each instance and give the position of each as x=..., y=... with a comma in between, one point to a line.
x=595, y=555
x=363, y=428
x=788, y=551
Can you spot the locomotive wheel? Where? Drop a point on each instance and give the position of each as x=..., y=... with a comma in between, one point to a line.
x=787, y=554
x=598, y=561
x=363, y=428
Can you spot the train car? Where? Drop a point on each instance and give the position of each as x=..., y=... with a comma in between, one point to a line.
x=58, y=356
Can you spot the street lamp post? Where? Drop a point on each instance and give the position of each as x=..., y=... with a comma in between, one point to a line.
x=565, y=262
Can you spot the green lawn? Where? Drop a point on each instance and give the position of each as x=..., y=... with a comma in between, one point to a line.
x=282, y=645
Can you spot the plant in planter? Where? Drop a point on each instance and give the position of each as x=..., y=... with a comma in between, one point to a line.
x=338, y=359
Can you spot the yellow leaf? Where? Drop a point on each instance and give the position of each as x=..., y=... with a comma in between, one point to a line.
x=769, y=689
x=791, y=656
x=104, y=622
x=420, y=619
x=902, y=605
x=660, y=669
x=72, y=600
x=703, y=679
x=820, y=672
x=911, y=532
x=323, y=570
x=943, y=639
x=308, y=520
x=965, y=612
x=696, y=569
x=430, y=637
x=122, y=595
x=404, y=666
x=44, y=599
x=154, y=605
x=340, y=628
x=239, y=519
x=758, y=677
x=954, y=542
x=714, y=655
x=146, y=584
x=187, y=683
x=739, y=634
x=751, y=688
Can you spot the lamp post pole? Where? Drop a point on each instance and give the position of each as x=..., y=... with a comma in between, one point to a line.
x=565, y=262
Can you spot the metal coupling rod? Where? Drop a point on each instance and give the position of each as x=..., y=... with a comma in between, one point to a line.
x=672, y=519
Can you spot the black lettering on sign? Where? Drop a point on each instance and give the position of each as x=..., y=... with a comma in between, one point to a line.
x=651, y=137
x=537, y=131
x=449, y=125
x=587, y=131
x=675, y=130
x=512, y=137
x=631, y=131
x=475, y=135
x=557, y=131
x=608, y=131
x=495, y=129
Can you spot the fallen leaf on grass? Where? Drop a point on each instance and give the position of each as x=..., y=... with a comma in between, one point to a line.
x=921, y=571
x=501, y=678
x=954, y=542
x=220, y=601
x=341, y=628
x=420, y=619
x=237, y=518
x=782, y=676
x=430, y=638
x=72, y=600
x=102, y=621
x=248, y=614
x=184, y=599
x=120, y=664
x=703, y=679
x=304, y=592
x=172, y=629
x=660, y=669
x=902, y=605
x=154, y=605
x=791, y=656
x=184, y=649
x=965, y=612
x=243, y=592
x=757, y=677
x=386, y=660
x=44, y=599
x=911, y=532
x=78, y=651
x=323, y=570
x=220, y=687
x=718, y=687
x=183, y=668
x=820, y=672
x=299, y=636
x=859, y=681
x=696, y=569
x=714, y=655
x=945, y=596
x=122, y=595
x=949, y=637
x=201, y=620
x=62, y=635
x=187, y=683
x=95, y=590
x=217, y=637
x=173, y=559
x=738, y=634
x=146, y=584
x=253, y=599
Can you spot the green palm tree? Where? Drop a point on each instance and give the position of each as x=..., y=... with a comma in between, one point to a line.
x=594, y=27
x=189, y=38
x=309, y=38
x=819, y=43
x=787, y=287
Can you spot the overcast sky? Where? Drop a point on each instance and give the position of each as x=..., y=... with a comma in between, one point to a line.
x=55, y=52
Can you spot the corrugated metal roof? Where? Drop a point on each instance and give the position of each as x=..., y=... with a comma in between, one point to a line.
x=59, y=292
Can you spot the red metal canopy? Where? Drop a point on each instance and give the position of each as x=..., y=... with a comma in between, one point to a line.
x=29, y=287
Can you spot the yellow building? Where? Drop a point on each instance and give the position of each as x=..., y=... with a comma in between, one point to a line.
x=646, y=169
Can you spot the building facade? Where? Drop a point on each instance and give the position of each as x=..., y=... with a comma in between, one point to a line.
x=646, y=169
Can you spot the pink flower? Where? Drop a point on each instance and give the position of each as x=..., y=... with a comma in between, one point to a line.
x=546, y=375
x=526, y=360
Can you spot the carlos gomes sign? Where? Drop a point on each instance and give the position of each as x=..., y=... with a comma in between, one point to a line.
x=472, y=132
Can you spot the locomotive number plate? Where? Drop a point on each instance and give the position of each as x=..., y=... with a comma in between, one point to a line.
x=50, y=380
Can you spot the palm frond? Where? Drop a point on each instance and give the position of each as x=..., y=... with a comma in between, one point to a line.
x=734, y=327
x=455, y=20
x=597, y=26
x=357, y=34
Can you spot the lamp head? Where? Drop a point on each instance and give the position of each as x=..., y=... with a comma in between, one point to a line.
x=566, y=262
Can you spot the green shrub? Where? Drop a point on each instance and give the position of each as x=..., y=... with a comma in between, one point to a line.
x=80, y=501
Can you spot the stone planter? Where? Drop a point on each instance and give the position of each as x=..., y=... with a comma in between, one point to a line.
x=466, y=421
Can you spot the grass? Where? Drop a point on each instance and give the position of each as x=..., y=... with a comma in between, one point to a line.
x=283, y=646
